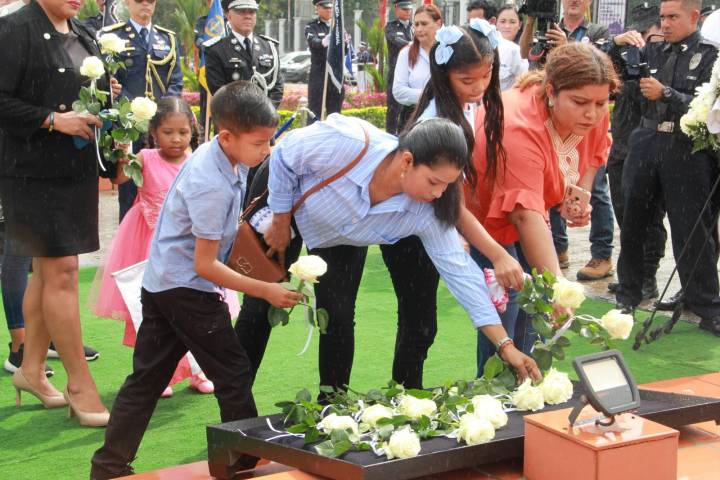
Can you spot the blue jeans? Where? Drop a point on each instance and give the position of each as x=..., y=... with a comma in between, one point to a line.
x=516, y=322
x=602, y=226
x=14, y=275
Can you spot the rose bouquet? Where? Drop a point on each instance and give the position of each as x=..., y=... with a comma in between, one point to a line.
x=125, y=121
x=306, y=270
x=702, y=121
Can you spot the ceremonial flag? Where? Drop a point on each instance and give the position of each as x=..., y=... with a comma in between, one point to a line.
x=214, y=27
x=336, y=47
x=109, y=16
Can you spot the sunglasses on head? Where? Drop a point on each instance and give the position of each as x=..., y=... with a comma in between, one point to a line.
x=145, y=1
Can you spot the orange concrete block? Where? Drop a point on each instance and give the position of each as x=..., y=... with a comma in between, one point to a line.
x=104, y=184
x=554, y=451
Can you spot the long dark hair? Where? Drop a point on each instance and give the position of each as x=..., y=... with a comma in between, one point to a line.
x=471, y=49
x=433, y=12
x=436, y=141
x=167, y=106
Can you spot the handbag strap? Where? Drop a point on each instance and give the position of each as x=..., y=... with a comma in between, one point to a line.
x=315, y=188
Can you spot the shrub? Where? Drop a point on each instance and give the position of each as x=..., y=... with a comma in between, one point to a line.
x=374, y=115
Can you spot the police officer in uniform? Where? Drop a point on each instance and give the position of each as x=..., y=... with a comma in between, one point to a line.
x=398, y=33
x=317, y=34
x=661, y=168
x=625, y=118
x=152, y=68
x=243, y=55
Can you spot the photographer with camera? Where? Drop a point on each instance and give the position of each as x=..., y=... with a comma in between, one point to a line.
x=625, y=118
x=572, y=28
x=661, y=166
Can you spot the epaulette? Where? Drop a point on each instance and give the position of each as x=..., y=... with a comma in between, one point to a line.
x=211, y=41
x=112, y=27
x=165, y=30
x=270, y=39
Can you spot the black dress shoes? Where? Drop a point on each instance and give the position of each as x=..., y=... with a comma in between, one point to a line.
x=625, y=308
x=649, y=288
x=613, y=287
x=711, y=324
x=669, y=304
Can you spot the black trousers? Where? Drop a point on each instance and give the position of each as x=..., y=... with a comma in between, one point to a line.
x=415, y=281
x=660, y=169
x=656, y=233
x=175, y=321
x=392, y=114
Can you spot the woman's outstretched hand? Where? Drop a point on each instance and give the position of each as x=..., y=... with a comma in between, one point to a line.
x=523, y=364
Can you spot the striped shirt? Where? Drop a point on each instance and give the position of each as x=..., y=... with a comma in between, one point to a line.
x=341, y=213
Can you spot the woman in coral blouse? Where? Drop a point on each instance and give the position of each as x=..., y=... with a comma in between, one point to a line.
x=556, y=124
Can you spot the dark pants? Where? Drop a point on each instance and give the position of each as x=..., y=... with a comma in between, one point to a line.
x=333, y=101
x=175, y=321
x=660, y=169
x=392, y=113
x=657, y=235
x=515, y=321
x=415, y=284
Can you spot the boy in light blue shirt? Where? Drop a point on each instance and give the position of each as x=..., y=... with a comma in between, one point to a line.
x=183, y=308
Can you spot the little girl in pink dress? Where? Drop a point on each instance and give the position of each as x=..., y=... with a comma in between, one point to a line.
x=171, y=130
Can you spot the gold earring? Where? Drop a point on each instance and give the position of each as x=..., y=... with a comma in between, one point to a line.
x=402, y=174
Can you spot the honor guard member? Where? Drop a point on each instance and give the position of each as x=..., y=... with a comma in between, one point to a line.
x=152, y=68
x=661, y=168
x=317, y=34
x=242, y=55
x=104, y=18
x=198, y=32
x=398, y=33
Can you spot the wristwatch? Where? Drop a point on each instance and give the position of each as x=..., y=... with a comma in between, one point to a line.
x=667, y=92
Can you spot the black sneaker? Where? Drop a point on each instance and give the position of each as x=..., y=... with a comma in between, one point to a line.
x=14, y=361
x=90, y=353
x=711, y=324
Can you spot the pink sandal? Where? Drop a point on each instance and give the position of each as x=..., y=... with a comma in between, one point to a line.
x=168, y=392
x=200, y=383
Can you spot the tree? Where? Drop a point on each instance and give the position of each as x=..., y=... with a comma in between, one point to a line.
x=185, y=15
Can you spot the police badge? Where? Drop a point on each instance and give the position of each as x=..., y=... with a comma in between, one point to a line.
x=695, y=61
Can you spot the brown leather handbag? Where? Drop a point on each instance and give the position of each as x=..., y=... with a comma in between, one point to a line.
x=248, y=254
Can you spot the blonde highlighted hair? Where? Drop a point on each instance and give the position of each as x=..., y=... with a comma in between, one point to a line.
x=570, y=66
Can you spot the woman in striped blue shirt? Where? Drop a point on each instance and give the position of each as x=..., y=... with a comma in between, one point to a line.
x=400, y=188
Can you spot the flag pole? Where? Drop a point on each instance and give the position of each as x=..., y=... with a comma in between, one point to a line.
x=325, y=79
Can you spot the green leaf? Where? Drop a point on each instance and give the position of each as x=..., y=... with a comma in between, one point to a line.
x=543, y=358
x=493, y=367
x=303, y=395
x=312, y=435
x=133, y=134
x=326, y=389
x=85, y=95
x=79, y=106
x=299, y=428
x=323, y=319
x=94, y=107
x=326, y=449
x=136, y=176
x=310, y=315
x=542, y=327
x=419, y=393
x=563, y=341
x=278, y=316
x=506, y=379
x=341, y=447
x=557, y=352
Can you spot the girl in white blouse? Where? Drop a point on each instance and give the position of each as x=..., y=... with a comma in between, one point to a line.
x=412, y=70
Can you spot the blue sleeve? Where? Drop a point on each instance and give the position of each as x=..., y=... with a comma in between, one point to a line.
x=207, y=208
x=461, y=274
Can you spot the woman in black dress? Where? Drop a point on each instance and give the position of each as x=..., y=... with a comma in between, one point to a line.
x=49, y=191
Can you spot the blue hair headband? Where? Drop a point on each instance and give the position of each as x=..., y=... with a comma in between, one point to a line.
x=448, y=36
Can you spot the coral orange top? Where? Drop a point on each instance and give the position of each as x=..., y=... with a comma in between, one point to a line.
x=539, y=163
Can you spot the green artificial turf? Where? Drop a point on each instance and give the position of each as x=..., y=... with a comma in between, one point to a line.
x=38, y=443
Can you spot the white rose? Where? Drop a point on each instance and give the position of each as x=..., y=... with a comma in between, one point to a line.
x=415, y=408
x=556, y=387
x=490, y=409
x=475, y=430
x=308, y=268
x=527, y=397
x=618, y=324
x=143, y=108
x=403, y=443
x=335, y=422
x=111, y=44
x=688, y=122
x=568, y=294
x=92, y=67
x=453, y=392
x=373, y=413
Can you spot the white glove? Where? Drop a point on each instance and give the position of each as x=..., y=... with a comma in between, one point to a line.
x=326, y=40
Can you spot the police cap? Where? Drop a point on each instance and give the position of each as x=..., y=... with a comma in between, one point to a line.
x=323, y=3
x=404, y=4
x=644, y=16
x=240, y=5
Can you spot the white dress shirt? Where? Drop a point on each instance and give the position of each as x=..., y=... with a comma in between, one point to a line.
x=410, y=82
x=512, y=65
x=341, y=213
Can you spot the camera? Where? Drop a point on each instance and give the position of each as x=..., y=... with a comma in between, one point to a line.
x=635, y=68
x=545, y=14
